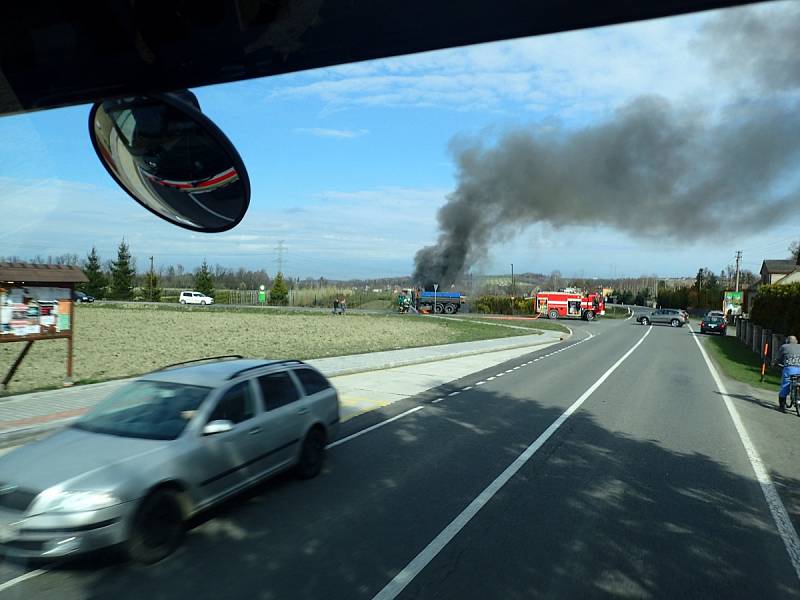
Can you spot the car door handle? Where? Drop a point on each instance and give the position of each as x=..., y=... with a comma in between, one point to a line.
x=302, y=411
x=254, y=431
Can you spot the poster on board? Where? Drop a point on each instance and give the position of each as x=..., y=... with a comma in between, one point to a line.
x=34, y=311
x=732, y=303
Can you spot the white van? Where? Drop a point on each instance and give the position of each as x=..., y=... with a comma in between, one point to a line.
x=195, y=298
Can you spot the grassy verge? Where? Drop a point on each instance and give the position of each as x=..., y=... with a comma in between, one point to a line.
x=540, y=324
x=119, y=341
x=616, y=312
x=739, y=363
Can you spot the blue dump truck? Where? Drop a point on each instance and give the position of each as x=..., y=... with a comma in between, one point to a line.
x=423, y=301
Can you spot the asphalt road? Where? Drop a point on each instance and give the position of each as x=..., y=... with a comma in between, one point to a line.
x=606, y=466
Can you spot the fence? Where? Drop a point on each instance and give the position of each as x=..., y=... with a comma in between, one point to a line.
x=762, y=341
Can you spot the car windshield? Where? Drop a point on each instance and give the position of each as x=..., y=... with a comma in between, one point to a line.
x=474, y=250
x=155, y=410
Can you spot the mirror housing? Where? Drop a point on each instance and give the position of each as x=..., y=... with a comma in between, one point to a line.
x=215, y=427
x=172, y=159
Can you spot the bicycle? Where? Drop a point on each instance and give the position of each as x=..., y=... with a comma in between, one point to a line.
x=793, y=398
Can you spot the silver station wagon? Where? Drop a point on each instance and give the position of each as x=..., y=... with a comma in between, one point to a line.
x=131, y=471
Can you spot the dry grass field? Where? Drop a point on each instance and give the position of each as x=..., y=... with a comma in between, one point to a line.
x=113, y=342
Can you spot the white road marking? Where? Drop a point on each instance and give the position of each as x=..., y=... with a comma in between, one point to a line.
x=464, y=389
x=490, y=378
x=453, y=393
x=24, y=577
x=368, y=429
x=480, y=383
x=421, y=560
x=779, y=515
x=499, y=374
x=515, y=368
x=437, y=400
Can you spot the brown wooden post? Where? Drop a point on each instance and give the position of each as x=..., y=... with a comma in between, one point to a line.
x=68, y=381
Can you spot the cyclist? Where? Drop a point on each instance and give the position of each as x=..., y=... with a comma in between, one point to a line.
x=789, y=358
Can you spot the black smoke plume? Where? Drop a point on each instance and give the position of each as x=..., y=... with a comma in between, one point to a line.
x=654, y=169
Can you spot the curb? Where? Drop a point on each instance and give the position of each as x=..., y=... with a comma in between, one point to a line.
x=419, y=361
x=28, y=433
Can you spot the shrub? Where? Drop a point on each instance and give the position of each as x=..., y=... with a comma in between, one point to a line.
x=501, y=305
x=777, y=308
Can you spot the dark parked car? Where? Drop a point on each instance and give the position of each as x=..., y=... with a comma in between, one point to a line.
x=668, y=316
x=81, y=297
x=713, y=324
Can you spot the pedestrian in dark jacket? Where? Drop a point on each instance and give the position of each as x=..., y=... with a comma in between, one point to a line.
x=335, y=306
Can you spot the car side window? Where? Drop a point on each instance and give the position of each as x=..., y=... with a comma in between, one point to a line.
x=312, y=381
x=278, y=389
x=236, y=405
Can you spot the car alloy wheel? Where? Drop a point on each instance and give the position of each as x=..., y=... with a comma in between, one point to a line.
x=312, y=454
x=157, y=528
x=675, y=323
x=645, y=321
x=553, y=314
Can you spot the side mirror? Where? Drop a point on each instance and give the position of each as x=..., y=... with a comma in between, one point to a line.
x=172, y=159
x=215, y=427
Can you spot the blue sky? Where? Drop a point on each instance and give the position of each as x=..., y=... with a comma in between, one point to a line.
x=349, y=164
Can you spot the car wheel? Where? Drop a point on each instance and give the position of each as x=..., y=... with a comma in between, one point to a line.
x=675, y=323
x=183, y=301
x=449, y=309
x=203, y=302
x=312, y=454
x=553, y=314
x=588, y=315
x=645, y=321
x=157, y=528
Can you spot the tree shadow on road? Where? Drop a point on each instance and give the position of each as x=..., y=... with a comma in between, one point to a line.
x=594, y=513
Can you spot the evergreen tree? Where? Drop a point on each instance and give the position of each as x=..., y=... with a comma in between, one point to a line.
x=122, y=274
x=98, y=282
x=279, y=293
x=203, y=281
x=152, y=293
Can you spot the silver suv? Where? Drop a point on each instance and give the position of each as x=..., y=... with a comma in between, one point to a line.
x=668, y=316
x=160, y=449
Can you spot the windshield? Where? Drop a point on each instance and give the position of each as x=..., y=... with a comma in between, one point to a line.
x=477, y=251
x=153, y=410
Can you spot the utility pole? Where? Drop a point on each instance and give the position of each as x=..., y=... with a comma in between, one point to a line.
x=738, y=260
x=513, y=289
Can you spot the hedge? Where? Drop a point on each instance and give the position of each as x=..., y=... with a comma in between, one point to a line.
x=501, y=305
x=777, y=308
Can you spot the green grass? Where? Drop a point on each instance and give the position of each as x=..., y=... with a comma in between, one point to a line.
x=739, y=363
x=616, y=312
x=540, y=324
x=116, y=341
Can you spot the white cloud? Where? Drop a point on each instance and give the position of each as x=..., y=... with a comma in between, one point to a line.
x=339, y=233
x=332, y=133
x=579, y=72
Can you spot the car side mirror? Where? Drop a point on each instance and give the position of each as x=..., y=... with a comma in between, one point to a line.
x=172, y=159
x=215, y=427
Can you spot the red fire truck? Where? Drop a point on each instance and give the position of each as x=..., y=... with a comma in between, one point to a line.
x=570, y=304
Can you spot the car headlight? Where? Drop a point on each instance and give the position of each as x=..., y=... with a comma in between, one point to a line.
x=54, y=500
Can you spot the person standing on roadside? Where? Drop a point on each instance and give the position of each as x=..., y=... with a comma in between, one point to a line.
x=343, y=305
x=789, y=359
x=336, y=306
